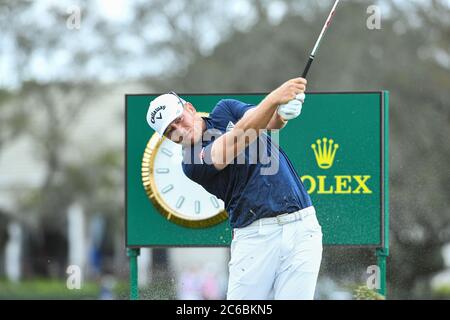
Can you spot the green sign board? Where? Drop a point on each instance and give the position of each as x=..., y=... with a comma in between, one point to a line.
x=338, y=146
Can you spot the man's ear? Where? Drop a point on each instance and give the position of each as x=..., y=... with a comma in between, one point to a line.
x=190, y=107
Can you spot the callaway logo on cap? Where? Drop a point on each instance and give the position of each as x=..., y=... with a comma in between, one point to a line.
x=152, y=117
x=163, y=110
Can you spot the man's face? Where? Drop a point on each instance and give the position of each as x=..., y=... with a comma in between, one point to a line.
x=187, y=129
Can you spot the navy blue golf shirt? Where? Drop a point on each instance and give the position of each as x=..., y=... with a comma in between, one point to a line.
x=248, y=195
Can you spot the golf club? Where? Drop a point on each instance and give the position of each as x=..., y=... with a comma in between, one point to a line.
x=299, y=100
x=316, y=46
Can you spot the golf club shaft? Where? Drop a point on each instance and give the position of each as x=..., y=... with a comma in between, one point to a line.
x=316, y=46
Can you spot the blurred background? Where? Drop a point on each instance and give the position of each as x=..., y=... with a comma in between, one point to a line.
x=65, y=67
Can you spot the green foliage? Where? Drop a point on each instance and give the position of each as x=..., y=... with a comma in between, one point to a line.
x=46, y=289
x=442, y=292
x=364, y=293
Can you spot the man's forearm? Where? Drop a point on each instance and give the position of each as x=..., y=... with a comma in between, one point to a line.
x=259, y=117
x=231, y=144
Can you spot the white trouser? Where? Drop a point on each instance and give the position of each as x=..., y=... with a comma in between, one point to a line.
x=271, y=260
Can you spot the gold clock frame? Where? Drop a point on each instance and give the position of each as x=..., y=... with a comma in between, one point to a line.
x=148, y=181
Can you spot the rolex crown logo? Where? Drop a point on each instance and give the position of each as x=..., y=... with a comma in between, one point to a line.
x=325, y=150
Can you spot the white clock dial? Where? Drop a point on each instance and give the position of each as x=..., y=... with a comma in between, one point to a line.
x=176, y=196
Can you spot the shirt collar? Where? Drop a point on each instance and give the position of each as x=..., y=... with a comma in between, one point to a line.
x=208, y=121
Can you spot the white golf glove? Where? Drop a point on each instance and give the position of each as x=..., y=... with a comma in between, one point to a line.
x=293, y=108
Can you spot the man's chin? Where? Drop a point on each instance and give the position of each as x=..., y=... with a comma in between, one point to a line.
x=187, y=141
x=190, y=140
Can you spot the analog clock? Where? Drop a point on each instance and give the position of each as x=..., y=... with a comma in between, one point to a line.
x=176, y=197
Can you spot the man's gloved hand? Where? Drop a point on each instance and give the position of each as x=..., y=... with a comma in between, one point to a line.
x=293, y=108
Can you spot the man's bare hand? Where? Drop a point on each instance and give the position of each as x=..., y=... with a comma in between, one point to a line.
x=287, y=91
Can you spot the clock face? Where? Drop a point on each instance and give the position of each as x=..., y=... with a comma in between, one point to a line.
x=178, y=198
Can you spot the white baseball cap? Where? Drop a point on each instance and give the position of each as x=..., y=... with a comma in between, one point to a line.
x=163, y=110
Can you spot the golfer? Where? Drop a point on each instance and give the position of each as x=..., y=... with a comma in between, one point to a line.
x=276, y=249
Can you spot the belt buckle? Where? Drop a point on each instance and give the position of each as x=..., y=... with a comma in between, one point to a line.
x=279, y=219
